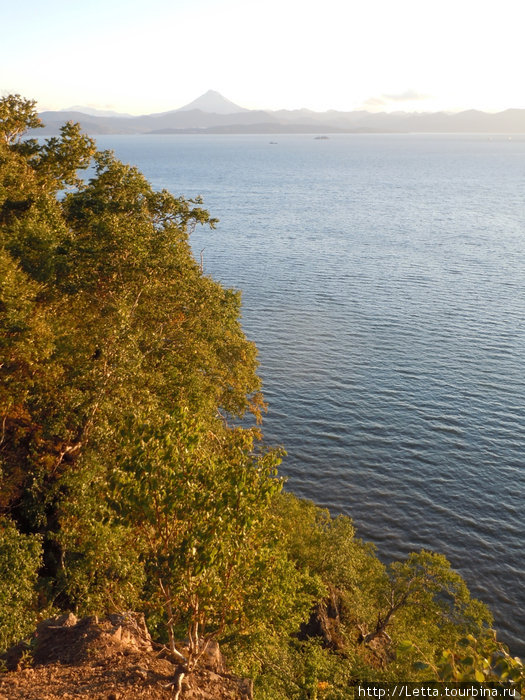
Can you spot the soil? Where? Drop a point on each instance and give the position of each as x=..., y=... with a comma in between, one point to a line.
x=112, y=659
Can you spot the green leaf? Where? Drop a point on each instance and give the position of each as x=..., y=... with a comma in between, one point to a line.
x=421, y=666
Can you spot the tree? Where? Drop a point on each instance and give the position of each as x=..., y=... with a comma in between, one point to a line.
x=17, y=115
x=26, y=345
x=480, y=658
x=375, y=619
x=196, y=496
x=425, y=588
x=133, y=383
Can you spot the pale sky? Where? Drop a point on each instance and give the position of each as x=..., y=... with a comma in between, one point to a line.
x=144, y=56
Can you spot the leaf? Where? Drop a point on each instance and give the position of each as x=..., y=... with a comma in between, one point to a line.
x=421, y=666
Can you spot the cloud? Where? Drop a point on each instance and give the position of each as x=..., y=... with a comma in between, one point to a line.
x=96, y=105
x=386, y=99
x=374, y=102
x=407, y=96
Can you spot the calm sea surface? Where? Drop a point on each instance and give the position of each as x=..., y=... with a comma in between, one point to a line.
x=383, y=281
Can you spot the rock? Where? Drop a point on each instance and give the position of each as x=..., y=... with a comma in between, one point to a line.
x=246, y=688
x=15, y=655
x=131, y=630
x=213, y=658
x=325, y=622
x=66, y=620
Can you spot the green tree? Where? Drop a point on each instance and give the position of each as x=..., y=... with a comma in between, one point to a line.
x=196, y=495
x=20, y=557
x=17, y=115
x=482, y=659
x=373, y=620
x=472, y=659
x=425, y=586
x=122, y=428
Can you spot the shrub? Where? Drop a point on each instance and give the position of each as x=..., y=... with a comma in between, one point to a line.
x=20, y=559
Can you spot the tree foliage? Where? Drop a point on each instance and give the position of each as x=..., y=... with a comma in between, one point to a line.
x=369, y=620
x=124, y=367
x=17, y=115
x=20, y=557
x=196, y=499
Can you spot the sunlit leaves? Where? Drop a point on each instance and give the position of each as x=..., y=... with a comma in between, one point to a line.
x=482, y=659
x=195, y=493
x=20, y=558
x=17, y=115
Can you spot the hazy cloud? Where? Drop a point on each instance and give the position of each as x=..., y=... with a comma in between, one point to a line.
x=407, y=96
x=374, y=102
x=96, y=105
x=386, y=99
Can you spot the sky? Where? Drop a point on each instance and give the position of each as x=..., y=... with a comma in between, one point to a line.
x=382, y=55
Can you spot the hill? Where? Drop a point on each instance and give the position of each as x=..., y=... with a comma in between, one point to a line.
x=214, y=113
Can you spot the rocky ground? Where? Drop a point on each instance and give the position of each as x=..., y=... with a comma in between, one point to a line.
x=111, y=659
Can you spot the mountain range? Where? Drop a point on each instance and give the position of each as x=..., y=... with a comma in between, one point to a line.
x=213, y=114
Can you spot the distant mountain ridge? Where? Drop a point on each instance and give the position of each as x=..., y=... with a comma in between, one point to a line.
x=213, y=102
x=94, y=112
x=214, y=113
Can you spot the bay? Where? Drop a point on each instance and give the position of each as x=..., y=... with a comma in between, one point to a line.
x=383, y=281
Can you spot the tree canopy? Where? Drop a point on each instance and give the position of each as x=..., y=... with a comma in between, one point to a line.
x=122, y=367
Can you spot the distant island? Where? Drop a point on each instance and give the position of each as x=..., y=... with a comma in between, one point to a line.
x=211, y=113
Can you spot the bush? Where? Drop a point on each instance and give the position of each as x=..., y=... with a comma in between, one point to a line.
x=20, y=559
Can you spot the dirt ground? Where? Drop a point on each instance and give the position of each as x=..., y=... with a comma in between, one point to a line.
x=112, y=659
